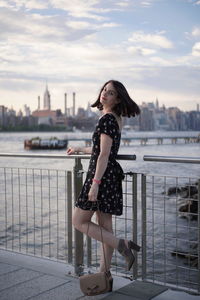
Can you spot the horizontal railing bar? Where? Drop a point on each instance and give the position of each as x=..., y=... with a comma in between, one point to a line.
x=174, y=159
x=140, y=137
x=65, y=156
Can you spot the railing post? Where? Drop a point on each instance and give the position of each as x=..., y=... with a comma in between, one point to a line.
x=198, y=235
x=134, y=224
x=144, y=223
x=78, y=182
x=89, y=251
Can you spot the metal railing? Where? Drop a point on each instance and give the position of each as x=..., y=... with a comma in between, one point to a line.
x=173, y=159
x=160, y=212
x=170, y=230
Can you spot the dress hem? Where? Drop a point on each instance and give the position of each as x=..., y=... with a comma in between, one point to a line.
x=95, y=209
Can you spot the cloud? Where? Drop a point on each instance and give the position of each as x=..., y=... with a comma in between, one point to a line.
x=34, y=28
x=123, y=4
x=159, y=61
x=87, y=25
x=196, y=49
x=78, y=24
x=146, y=3
x=75, y=8
x=24, y=4
x=196, y=32
x=140, y=51
x=32, y=4
x=69, y=43
x=6, y=4
x=110, y=25
x=157, y=40
x=79, y=8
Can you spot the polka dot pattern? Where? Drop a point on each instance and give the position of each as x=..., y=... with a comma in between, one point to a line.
x=110, y=190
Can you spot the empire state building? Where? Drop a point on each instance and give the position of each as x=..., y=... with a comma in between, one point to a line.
x=47, y=100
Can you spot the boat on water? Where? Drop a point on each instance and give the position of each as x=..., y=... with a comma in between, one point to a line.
x=52, y=143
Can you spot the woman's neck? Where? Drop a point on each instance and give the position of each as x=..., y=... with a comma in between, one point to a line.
x=107, y=111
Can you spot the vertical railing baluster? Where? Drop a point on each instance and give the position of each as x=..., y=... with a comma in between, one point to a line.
x=164, y=233
x=153, y=231
x=57, y=203
x=41, y=212
x=33, y=173
x=198, y=247
x=134, y=221
x=144, y=224
x=89, y=251
x=126, y=207
x=6, y=216
x=176, y=232
x=27, y=215
x=49, y=213
x=13, y=224
x=78, y=235
x=188, y=229
x=65, y=215
x=69, y=215
x=19, y=182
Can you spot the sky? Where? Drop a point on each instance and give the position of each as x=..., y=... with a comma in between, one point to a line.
x=151, y=46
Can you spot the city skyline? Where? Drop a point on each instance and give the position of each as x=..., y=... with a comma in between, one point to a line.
x=69, y=104
x=152, y=46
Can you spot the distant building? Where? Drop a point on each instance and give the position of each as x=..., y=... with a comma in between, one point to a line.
x=47, y=100
x=46, y=116
x=27, y=111
x=3, y=115
x=146, y=117
x=20, y=114
x=160, y=118
x=193, y=120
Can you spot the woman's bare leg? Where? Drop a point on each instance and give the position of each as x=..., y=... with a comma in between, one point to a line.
x=82, y=218
x=105, y=221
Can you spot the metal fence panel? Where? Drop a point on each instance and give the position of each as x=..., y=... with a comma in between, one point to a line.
x=171, y=235
x=161, y=213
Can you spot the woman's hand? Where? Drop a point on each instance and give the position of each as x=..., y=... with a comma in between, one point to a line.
x=93, y=192
x=73, y=150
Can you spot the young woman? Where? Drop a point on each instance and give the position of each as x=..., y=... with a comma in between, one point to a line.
x=102, y=190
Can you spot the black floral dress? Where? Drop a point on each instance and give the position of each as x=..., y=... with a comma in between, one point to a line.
x=110, y=190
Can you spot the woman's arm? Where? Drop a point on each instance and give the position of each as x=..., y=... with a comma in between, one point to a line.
x=78, y=150
x=102, y=162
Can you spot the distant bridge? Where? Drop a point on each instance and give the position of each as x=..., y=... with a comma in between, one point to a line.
x=144, y=140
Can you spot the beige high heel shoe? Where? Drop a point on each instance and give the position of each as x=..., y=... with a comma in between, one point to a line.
x=126, y=251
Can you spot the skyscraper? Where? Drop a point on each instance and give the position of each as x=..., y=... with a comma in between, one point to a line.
x=47, y=100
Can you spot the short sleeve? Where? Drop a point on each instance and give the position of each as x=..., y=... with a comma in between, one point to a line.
x=107, y=125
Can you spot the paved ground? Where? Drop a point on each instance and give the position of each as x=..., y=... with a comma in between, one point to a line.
x=25, y=277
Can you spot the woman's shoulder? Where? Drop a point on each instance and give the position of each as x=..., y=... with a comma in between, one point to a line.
x=108, y=116
x=111, y=119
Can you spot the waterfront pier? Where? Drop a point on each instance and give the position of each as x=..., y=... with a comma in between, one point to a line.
x=144, y=140
x=42, y=256
x=25, y=277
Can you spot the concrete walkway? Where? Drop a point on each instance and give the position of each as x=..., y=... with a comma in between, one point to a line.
x=25, y=277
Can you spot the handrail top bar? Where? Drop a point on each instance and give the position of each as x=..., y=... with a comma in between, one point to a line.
x=64, y=156
x=174, y=159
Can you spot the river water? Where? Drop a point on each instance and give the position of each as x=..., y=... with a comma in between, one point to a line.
x=14, y=143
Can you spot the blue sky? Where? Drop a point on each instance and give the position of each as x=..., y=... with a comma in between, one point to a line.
x=152, y=46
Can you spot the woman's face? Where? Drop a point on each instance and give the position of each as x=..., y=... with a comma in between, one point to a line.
x=108, y=97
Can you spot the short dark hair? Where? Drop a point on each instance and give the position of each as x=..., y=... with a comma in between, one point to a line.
x=126, y=106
